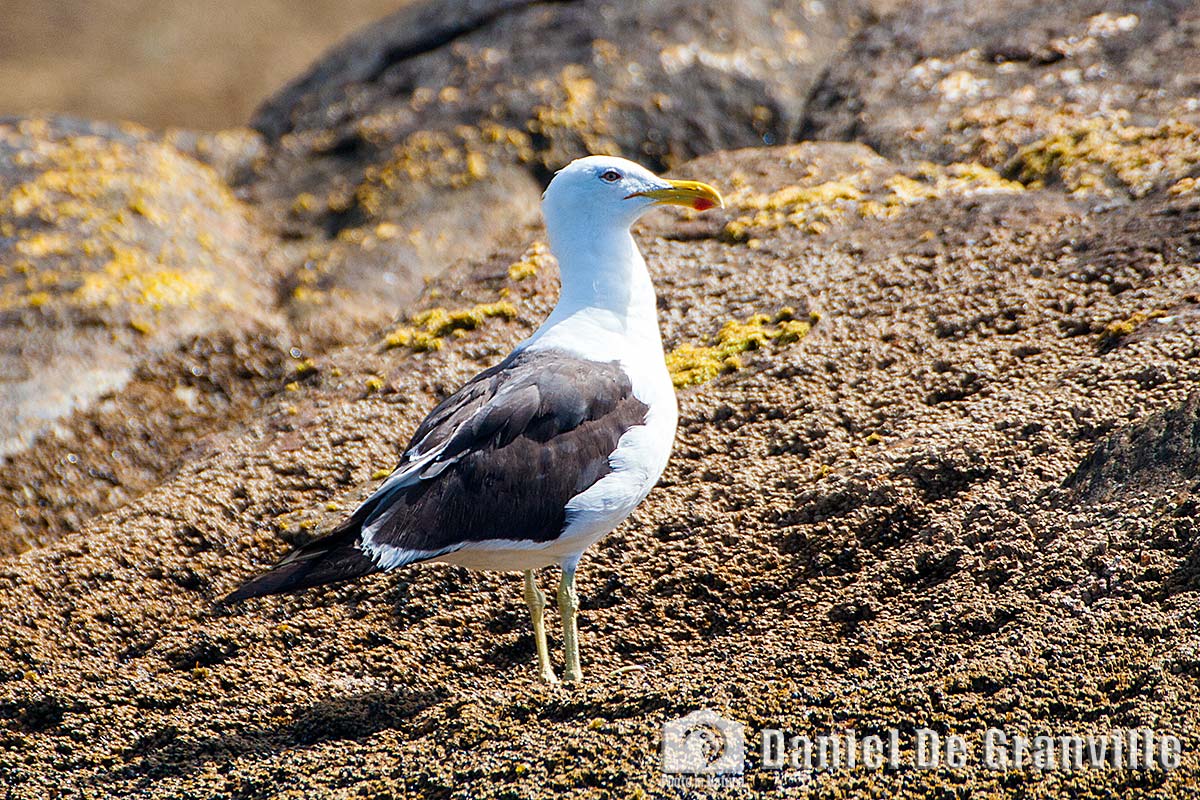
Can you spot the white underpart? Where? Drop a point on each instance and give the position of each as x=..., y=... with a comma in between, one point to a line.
x=607, y=311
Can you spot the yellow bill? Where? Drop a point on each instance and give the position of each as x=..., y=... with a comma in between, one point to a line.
x=692, y=194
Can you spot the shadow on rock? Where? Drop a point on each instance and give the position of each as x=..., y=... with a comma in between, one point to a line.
x=168, y=750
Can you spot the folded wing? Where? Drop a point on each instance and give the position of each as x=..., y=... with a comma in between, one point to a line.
x=499, y=459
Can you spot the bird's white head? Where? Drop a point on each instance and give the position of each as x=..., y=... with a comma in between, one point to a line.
x=610, y=192
x=589, y=207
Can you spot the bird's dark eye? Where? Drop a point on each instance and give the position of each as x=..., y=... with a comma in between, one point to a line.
x=612, y=176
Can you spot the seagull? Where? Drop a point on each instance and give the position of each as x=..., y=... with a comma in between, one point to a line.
x=539, y=457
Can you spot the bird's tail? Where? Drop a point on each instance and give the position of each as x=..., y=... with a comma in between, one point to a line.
x=329, y=559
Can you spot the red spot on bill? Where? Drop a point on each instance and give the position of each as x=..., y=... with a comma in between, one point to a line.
x=702, y=204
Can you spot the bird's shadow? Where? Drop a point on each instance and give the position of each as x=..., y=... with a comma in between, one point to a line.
x=497, y=653
x=169, y=751
x=505, y=653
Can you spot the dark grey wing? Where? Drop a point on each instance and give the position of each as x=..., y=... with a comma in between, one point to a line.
x=541, y=434
x=499, y=459
x=455, y=409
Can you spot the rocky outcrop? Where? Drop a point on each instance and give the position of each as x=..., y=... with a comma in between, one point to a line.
x=427, y=138
x=934, y=469
x=1086, y=95
x=131, y=280
x=866, y=521
x=113, y=245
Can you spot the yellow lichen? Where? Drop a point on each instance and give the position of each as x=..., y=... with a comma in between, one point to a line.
x=454, y=159
x=1184, y=186
x=43, y=244
x=374, y=384
x=134, y=276
x=477, y=165
x=305, y=368
x=386, y=231
x=1088, y=155
x=572, y=114
x=416, y=340
x=306, y=294
x=691, y=365
x=305, y=201
x=429, y=158
x=425, y=330
x=575, y=111
x=1120, y=328
x=803, y=207
x=934, y=181
x=122, y=231
x=813, y=209
x=532, y=261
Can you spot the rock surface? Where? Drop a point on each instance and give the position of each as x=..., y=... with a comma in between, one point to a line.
x=120, y=257
x=112, y=244
x=875, y=526
x=964, y=499
x=1084, y=94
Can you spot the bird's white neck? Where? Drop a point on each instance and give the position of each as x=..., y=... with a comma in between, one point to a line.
x=605, y=285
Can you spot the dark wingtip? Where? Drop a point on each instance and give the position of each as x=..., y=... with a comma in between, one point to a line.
x=272, y=582
x=243, y=592
x=331, y=559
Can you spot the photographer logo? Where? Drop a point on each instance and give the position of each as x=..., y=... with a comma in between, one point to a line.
x=704, y=744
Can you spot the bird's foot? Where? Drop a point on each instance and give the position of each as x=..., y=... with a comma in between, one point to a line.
x=548, y=677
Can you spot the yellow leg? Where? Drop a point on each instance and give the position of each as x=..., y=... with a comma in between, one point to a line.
x=568, y=605
x=537, y=605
